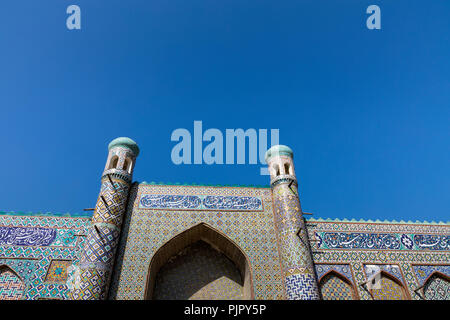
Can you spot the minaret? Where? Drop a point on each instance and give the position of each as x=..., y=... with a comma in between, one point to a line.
x=296, y=258
x=97, y=256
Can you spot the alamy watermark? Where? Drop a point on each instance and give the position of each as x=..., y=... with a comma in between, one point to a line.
x=213, y=152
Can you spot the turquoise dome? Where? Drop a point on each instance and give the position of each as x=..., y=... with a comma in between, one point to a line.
x=279, y=150
x=124, y=142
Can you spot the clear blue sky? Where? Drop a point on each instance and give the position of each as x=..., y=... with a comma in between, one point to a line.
x=366, y=112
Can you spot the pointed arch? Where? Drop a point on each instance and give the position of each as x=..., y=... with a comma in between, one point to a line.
x=344, y=293
x=388, y=289
x=12, y=286
x=436, y=286
x=216, y=239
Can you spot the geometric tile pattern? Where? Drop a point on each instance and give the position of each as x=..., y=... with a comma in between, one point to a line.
x=31, y=262
x=11, y=286
x=389, y=290
x=334, y=288
x=295, y=253
x=58, y=271
x=437, y=288
x=342, y=269
x=19, y=236
x=145, y=231
x=198, y=272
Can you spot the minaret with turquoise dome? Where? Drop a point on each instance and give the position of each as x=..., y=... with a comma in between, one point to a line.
x=296, y=258
x=97, y=256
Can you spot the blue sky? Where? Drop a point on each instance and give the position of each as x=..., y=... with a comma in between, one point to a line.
x=366, y=112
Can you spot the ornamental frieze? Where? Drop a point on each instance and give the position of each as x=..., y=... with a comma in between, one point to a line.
x=381, y=241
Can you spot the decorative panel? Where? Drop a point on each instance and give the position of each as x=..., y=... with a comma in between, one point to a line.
x=198, y=272
x=334, y=288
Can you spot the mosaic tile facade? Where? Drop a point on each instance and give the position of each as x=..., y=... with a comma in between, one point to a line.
x=409, y=267
x=198, y=272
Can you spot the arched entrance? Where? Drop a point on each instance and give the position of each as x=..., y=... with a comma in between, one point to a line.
x=199, y=263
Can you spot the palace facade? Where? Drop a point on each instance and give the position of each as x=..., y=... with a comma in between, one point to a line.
x=155, y=241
